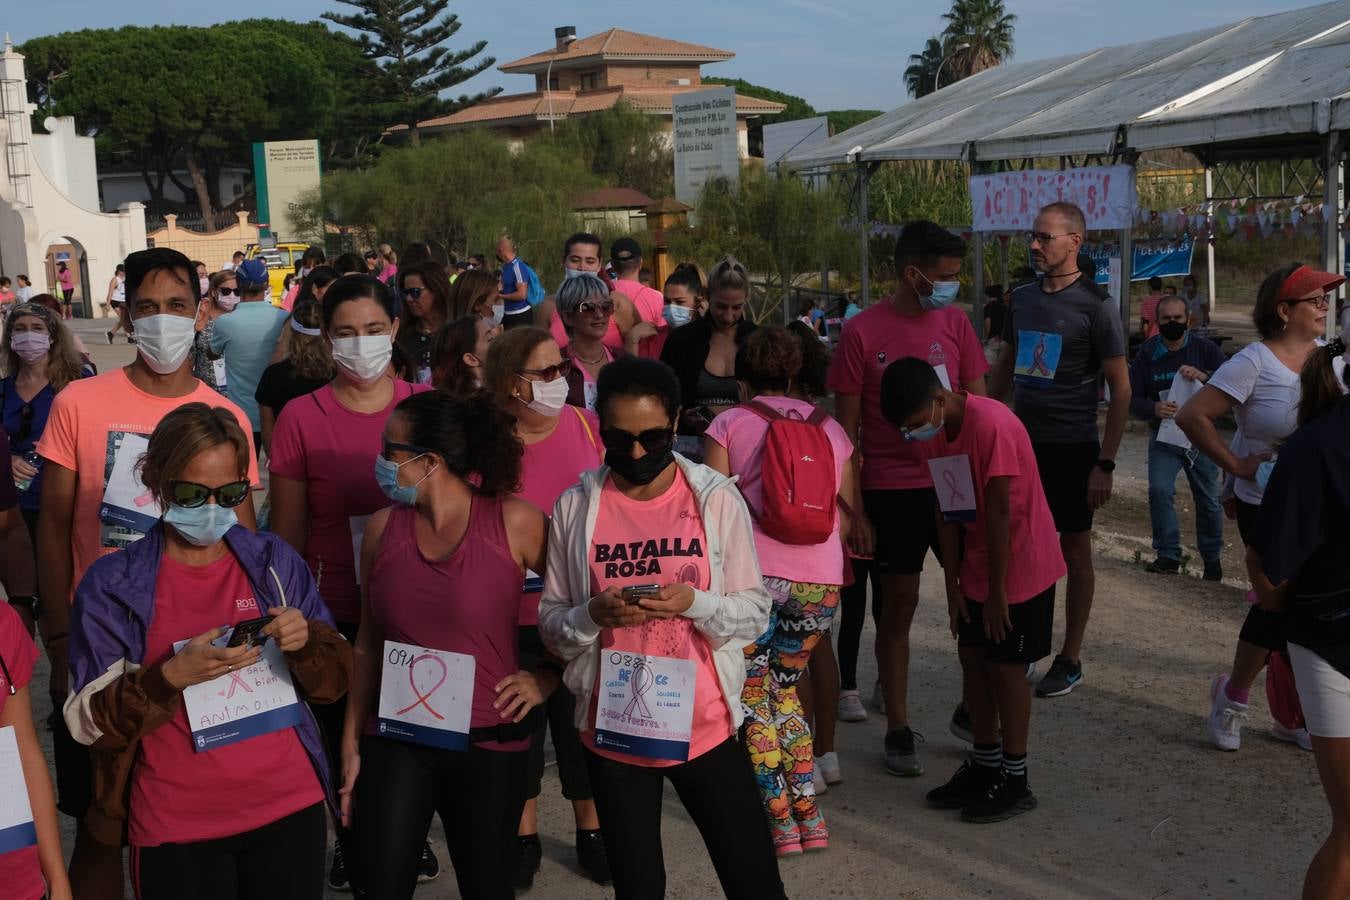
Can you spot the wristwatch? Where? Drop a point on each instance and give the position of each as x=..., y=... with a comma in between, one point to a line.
x=30, y=602
x=1106, y=465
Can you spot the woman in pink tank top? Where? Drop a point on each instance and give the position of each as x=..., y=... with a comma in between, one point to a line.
x=437, y=716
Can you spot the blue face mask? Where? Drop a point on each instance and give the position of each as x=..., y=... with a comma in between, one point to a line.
x=943, y=293
x=676, y=316
x=925, y=432
x=386, y=476
x=201, y=526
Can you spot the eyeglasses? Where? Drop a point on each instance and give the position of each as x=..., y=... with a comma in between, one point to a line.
x=1045, y=237
x=227, y=292
x=589, y=307
x=190, y=495
x=653, y=440
x=1322, y=302
x=549, y=373
x=387, y=449
x=414, y=293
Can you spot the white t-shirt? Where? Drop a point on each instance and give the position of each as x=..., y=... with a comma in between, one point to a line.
x=1267, y=395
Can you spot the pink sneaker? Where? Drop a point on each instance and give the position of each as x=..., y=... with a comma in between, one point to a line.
x=787, y=843
x=815, y=836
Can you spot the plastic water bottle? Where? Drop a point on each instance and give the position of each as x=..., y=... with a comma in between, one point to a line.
x=36, y=462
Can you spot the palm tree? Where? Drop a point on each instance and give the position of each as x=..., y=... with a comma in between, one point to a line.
x=984, y=24
x=922, y=72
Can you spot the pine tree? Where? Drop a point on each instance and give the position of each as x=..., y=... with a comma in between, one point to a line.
x=406, y=38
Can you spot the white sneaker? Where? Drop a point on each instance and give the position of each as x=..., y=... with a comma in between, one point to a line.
x=878, y=698
x=1298, y=736
x=1225, y=717
x=827, y=767
x=818, y=781
x=850, y=707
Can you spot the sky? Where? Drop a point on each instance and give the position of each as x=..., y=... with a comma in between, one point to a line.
x=838, y=54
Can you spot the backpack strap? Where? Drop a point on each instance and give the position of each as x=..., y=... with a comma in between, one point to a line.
x=763, y=410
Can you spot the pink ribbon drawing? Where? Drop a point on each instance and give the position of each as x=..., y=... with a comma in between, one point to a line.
x=235, y=682
x=953, y=489
x=412, y=680
x=639, y=684
x=1038, y=365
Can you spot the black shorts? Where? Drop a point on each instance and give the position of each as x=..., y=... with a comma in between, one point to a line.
x=906, y=525
x=1065, y=469
x=518, y=320
x=1246, y=516
x=1033, y=625
x=74, y=771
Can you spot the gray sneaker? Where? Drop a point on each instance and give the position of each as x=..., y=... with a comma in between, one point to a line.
x=901, y=757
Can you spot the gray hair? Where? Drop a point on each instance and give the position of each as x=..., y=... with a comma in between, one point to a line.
x=578, y=289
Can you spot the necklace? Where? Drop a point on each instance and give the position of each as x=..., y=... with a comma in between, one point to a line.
x=590, y=362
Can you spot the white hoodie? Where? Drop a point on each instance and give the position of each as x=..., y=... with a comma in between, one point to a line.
x=731, y=614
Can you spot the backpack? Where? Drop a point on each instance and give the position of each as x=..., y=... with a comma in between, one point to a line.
x=797, y=473
x=534, y=291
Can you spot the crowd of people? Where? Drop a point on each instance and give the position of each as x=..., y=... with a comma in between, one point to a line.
x=620, y=519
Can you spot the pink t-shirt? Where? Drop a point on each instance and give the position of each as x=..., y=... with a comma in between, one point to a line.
x=97, y=429
x=658, y=541
x=743, y=433
x=20, y=870
x=649, y=302
x=170, y=778
x=67, y=279
x=1148, y=311
x=612, y=339
x=998, y=446
x=650, y=348
x=332, y=450
x=550, y=467
x=873, y=339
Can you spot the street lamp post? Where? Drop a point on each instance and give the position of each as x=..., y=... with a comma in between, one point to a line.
x=937, y=76
x=567, y=40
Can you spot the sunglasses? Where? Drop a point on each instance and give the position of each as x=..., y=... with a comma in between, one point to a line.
x=549, y=373
x=25, y=424
x=227, y=292
x=387, y=448
x=589, y=307
x=653, y=440
x=190, y=495
x=414, y=293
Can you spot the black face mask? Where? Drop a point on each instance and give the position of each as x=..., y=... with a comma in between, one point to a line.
x=639, y=471
x=1172, y=331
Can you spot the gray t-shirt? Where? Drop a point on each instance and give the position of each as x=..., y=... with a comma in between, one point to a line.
x=1060, y=340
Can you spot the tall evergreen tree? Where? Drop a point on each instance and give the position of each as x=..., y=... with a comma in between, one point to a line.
x=406, y=38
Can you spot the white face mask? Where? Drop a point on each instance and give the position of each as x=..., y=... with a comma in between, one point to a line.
x=549, y=396
x=205, y=284
x=677, y=315
x=498, y=313
x=164, y=341
x=30, y=346
x=364, y=357
x=227, y=303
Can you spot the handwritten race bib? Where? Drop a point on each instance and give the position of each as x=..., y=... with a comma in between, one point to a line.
x=426, y=696
x=126, y=500
x=16, y=815
x=218, y=370
x=954, y=486
x=1038, y=355
x=645, y=705
x=243, y=704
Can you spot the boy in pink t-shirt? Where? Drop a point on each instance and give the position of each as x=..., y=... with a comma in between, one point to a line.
x=1000, y=584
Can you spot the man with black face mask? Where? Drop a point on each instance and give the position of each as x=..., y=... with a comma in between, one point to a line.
x=1174, y=351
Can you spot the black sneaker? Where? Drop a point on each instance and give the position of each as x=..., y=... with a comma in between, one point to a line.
x=901, y=757
x=428, y=867
x=337, y=872
x=969, y=783
x=1162, y=566
x=1006, y=797
x=1064, y=675
x=591, y=856
x=1214, y=571
x=529, y=854
x=109, y=334
x=960, y=724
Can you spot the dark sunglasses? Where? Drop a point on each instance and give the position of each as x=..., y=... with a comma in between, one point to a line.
x=415, y=293
x=549, y=373
x=227, y=292
x=589, y=307
x=25, y=423
x=190, y=495
x=653, y=440
x=387, y=448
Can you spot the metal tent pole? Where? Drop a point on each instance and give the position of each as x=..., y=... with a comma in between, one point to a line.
x=864, y=234
x=978, y=305
x=1210, y=288
x=1333, y=214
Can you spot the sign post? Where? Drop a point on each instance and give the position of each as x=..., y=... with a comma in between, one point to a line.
x=283, y=171
x=705, y=140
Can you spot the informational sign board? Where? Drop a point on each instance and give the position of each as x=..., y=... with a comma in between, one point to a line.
x=705, y=140
x=283, y=171
x=1163, y=258
x=1009, y=201
x=789, y=137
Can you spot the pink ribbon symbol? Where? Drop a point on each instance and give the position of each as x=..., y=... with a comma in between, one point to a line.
x=235, y=682
x=639, y=684
x=1038, y=360
x=421, y=697
x=954, y=491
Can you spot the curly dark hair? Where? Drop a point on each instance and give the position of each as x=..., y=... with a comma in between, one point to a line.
x=769, y=360
x=470, y=434
x=815, y=361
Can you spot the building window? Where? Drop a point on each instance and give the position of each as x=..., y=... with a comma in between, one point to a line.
x=590, y=81
x=553, y=84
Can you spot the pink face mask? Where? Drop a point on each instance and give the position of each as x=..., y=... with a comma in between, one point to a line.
x=30, y=346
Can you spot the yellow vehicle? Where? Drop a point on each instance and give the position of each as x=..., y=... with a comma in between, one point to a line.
x=281, y=260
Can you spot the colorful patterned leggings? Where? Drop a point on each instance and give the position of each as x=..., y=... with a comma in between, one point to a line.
x=776, y=734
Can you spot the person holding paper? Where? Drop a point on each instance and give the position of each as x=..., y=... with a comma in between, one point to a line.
x=652, y=595
x=1001, y=561
x=174, y=713
x=1172, y=364
x=437, y=721
x=1260, y=386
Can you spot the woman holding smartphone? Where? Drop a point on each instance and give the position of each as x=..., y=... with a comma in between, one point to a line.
x=144, y=635
x=647, y=585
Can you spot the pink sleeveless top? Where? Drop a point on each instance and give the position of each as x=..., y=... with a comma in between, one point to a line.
x=466, y=603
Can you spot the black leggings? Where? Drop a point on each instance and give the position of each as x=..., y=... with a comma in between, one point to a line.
x=718, y=791
x=558, y=712
x=479, y=795
x=283, y=860
x=330, y=717
x=853, y=610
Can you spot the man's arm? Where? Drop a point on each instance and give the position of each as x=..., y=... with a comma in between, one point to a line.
x=522, y=288
x=1141, y=407
x=1118, y=379
x=55, y=569
x=1000, y=377
x=18, y=575
x=997, y=501
x=848, y=411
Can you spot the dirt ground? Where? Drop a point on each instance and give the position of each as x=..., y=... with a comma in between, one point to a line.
x=1134, y=803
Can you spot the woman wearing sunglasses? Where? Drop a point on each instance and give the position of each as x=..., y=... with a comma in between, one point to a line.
x=525, y=375
x=222, y=297
x=426, y=293
x=652, y=595
x=151, y=658
x=38, y=361
x=585, y=306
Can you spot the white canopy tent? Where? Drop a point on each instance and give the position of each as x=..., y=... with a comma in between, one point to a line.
x=1271, y=87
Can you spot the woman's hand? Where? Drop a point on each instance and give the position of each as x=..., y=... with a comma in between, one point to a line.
x=637, y=333
x=671, y=601
x=21, y=469
x=516, y=695
x=1245, y=468
x=201, y=661
x=288, y=628
x=608, y=609
x=351, y=767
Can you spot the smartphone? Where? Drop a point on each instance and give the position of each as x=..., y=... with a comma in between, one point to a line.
x=631, y=595
x=250, y=632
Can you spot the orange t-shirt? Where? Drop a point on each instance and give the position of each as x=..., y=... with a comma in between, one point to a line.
x=98, y=428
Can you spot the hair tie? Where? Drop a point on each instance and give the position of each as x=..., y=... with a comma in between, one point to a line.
x=312, y=332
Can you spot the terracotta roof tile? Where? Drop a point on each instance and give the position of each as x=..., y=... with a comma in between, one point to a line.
x=619, y=44
x=612, y=198
x=535, y=106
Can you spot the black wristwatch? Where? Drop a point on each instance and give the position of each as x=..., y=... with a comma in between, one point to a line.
x=30, y=602
x=1106, y=465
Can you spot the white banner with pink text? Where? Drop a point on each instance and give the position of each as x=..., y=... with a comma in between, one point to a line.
x=1009, y=201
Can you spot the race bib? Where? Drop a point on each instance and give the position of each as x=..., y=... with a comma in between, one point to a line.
x=239, y=705
x=1038, y=355
x=127, y=502
x=218, y=369
x=645, y=705
x=16, y=815
x=426, y=696
x=424, y=375
x=954, y=486
x=590, y=391
x=941, y=370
